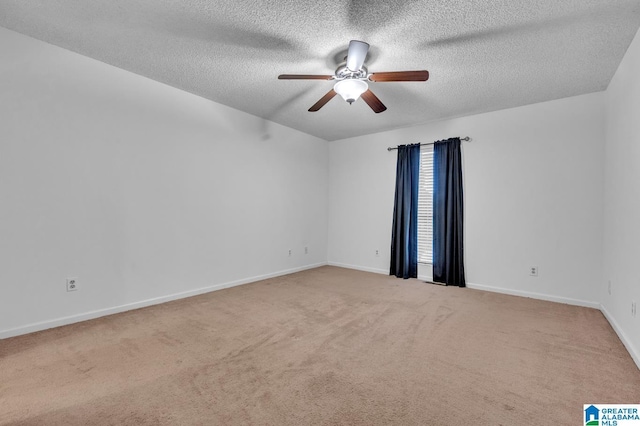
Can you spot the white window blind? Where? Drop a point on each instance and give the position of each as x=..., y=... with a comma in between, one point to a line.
x=425, y=205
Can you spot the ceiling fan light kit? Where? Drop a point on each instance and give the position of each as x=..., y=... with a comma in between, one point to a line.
x=353, y=77
x=350, y=89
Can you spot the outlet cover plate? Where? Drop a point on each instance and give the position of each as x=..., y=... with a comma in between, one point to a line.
x=72, y=284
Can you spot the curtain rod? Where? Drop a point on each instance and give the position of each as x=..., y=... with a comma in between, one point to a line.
x=466, y=138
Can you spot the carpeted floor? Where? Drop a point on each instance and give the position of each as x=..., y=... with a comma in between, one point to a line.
x=326, y=346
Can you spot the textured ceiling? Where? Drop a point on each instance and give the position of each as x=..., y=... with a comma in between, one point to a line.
x=482, y=55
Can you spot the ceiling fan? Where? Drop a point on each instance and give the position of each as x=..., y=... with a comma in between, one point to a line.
x=352, y=78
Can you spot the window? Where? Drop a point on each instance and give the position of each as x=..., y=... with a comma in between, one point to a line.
x=425, y=206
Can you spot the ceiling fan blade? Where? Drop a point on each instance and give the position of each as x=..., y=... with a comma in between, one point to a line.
x=323, y=100
x=373, y=101
x=357, y=54
x=304, y=77
x=422, y=75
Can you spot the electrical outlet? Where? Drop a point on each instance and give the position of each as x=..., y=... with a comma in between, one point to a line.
x=72, y=284
x=289, y=252
x=306, y=250
x=377, y=253
x=533, y=271
x=609, y=287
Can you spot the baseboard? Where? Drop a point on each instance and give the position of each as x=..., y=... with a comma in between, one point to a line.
x=58, y=322
x=532, y=295
x=425, y=277
x=635, y=354
x=44, y=325
x=359, y=268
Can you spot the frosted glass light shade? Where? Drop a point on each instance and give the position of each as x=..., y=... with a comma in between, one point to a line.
x=350, y=89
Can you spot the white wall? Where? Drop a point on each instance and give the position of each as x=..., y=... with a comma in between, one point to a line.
x=622, y=200
x=533, y=197
x=140, y=190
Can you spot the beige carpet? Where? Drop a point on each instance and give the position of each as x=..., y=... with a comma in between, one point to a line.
x=322, y=347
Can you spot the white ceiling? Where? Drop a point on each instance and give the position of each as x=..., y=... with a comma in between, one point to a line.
x=482, y=55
